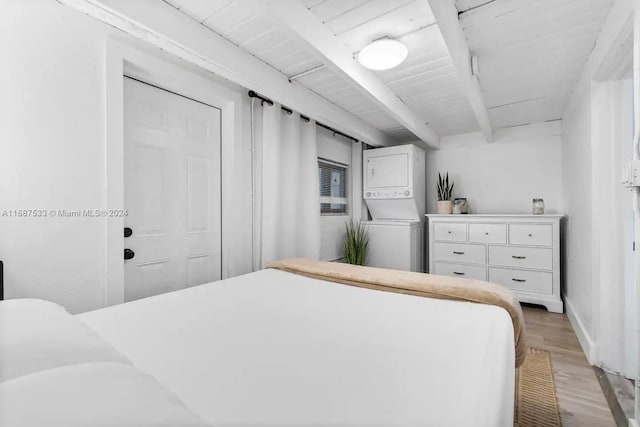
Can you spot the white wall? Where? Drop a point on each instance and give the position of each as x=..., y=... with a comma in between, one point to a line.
x=594, y=201
x=614, y=135
x=502, y=176
x=577, y=261
x=52, y=155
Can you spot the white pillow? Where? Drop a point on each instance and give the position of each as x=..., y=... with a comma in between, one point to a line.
x=91, y=394
x=36, y=335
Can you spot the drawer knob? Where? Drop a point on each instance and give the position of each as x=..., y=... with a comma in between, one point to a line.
x=486, y=234
x=519, y=280
x=518, y=257
x=458, y=273
x=458, y=253
x=530, y=235
x=449, y=232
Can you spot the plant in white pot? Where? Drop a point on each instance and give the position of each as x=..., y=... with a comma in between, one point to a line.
x=444, y=205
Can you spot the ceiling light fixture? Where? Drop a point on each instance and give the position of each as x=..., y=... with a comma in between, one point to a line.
x=382, y=54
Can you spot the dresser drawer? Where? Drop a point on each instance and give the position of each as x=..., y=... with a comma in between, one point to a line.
x=531, y=234
x=488, y=233
x=450, y=232
x=465, y=271
x=513, y=256
x=540, y=282
x=475, y=254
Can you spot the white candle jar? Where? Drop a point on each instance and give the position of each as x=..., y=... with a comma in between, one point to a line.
x=538, y=207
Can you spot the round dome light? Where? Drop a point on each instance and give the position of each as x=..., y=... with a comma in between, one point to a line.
x=382, y=54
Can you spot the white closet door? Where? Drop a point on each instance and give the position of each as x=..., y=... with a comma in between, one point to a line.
x=172, y=191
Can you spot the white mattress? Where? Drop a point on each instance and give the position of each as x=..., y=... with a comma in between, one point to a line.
x=276, y=349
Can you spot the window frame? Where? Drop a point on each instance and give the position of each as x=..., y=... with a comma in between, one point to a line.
x=346, y=201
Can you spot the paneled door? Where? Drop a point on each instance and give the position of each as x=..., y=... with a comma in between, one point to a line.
x=172, y=177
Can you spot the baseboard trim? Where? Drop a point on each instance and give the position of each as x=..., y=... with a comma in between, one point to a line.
x=589, y=347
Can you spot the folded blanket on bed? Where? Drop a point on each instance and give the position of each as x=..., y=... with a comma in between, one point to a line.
x=418, y=284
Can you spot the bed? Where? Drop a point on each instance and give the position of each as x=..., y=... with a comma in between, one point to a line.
x=57, y=372
x=272, y=348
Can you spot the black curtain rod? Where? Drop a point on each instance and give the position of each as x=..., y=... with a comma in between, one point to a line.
x=254, y=94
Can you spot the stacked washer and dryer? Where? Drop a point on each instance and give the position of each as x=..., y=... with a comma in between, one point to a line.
x=394, y=191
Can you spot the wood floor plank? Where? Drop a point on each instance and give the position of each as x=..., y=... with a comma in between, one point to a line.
x=582, y=402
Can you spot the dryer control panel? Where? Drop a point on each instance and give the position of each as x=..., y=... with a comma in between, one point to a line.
x=388, y=194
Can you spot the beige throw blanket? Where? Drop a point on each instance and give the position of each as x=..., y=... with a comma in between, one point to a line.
x=418, y=284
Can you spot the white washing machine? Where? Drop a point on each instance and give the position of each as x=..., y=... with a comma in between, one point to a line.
x=395, y=244
x=394, y=190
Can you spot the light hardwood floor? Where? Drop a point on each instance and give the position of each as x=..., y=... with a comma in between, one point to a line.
x=582, y=402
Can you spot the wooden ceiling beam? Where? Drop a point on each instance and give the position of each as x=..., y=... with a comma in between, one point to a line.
x=161, y=25
x=446, y=16
x=307, y=29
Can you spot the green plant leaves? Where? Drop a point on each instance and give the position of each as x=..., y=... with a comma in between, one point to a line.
x=445, y=190
x=355, y=242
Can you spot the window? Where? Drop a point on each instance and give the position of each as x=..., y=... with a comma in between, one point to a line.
x=333, y=188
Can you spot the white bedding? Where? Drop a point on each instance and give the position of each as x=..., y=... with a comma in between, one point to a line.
x=275, y=349
x=36, y=335
x=97, y=394
x=57, y=372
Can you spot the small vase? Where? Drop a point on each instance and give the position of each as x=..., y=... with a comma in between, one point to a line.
x=444, y=207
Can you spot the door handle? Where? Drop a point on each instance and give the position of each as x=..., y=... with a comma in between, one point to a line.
x=128, y=253
x=457, y=273
x=519, y=280
x=518, y=257
x=128, y=232
x=458, y=253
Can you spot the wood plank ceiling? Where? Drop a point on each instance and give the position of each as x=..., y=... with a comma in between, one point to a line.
x=530, y=54
x=426, y=81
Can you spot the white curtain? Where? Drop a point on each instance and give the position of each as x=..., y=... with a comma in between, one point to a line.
x=287, y=194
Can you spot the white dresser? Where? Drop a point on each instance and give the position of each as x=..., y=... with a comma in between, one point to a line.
x=521, y=252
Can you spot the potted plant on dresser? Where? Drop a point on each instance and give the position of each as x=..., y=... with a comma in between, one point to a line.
x=444, y=205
